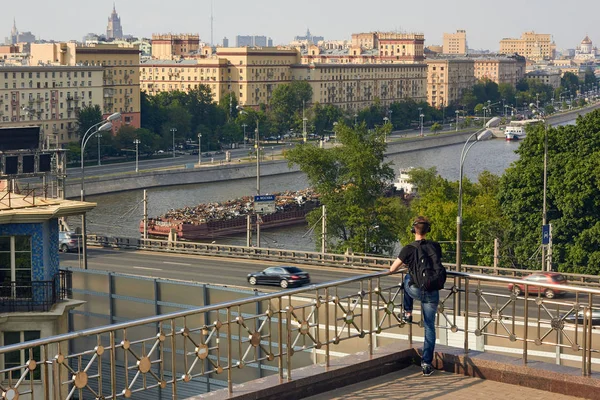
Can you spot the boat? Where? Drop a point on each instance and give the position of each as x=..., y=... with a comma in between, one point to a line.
x=513, y=132
x=214, y=220
x=403, y=184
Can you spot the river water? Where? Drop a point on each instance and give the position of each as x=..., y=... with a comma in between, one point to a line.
x=118, y=214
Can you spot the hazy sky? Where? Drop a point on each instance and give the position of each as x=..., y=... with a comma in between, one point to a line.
x=485, y=22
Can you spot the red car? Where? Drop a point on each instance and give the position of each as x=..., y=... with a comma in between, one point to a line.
x=553, y=278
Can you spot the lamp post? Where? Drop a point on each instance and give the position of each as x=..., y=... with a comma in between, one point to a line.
x=244, y=127
x=105, y=125
x=99, y=136
x=545, y=264
x=421, y=116
x=137, y=143
x=173, y=130
x=456, y=120
x=385, y=122
x=355, y=119
x=200, y=145
x=480, y=135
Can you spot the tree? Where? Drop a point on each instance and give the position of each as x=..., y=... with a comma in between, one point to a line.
x=573, y=190
x=436, y=127
x=351, y=180
x=87, y=117
x=287, y=103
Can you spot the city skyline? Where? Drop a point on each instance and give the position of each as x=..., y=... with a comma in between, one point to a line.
x=282, y=21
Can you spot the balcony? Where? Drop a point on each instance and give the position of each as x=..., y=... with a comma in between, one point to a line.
x=35, y=296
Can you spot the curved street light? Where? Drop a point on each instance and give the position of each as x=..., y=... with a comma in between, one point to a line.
x=479, y=135
x=137, y=143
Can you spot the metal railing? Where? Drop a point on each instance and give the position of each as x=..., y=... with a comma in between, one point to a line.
x=357, y=261
x=285, y=330
x=23, y=296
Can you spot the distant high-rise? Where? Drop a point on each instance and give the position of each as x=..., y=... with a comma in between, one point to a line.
x=253, y=41
x=225, y=42
x=18, y=37
x=114, y=30
x=309, y=38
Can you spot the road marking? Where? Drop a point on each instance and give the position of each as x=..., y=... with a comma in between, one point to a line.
x=148, y=269
x=176, y=263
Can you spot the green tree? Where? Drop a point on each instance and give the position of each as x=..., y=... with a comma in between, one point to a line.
x=572, y=196
x=286, y=105
x=351, y=180
x=436, y=127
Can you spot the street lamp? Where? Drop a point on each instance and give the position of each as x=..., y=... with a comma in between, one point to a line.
x=545, y=265
x=104, y=126
x=200, y=148
x=173, y=130
x=99, y=136
x=385, y=122
x=137, y=143
x=244, y=126
x=480, y=135
x=421, y=116
x=355, y=119
x=456, y=120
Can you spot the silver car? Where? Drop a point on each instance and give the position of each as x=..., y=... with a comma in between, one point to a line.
x=69, y=241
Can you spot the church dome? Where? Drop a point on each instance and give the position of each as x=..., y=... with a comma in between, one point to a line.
x=586, y=40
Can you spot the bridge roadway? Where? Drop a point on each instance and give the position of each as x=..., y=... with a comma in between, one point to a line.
x=233, y=272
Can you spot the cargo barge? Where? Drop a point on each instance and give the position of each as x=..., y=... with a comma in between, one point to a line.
x=214, y=220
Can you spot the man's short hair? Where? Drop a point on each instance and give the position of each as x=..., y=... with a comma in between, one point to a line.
x=421, y=225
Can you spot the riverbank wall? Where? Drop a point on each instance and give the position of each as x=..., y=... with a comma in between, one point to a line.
x=207, y=173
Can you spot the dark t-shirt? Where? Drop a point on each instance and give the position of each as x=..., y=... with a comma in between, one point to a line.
x=408, y=254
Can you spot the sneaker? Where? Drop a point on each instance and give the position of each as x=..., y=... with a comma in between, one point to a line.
x=427, y=370
x=407, y=319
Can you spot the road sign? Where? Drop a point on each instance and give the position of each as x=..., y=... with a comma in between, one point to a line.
x=545, y=234
x=264, y=204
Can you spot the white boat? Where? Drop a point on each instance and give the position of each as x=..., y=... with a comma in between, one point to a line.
x=513, y=132
x=402, y=183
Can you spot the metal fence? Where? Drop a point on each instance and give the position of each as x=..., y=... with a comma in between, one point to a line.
x=359, y=262
x=281, y=331
x=23, y=296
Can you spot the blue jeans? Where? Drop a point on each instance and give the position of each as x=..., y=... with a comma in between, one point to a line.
x=429, y=304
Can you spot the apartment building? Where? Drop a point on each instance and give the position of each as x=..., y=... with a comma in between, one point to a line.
x=455, y=43
x=49, y=97
x=500, y=69
x=167, y=47
x=531, y=45
x=120, y=65
x=546, y=76
x=447, y=78
x=392, y=46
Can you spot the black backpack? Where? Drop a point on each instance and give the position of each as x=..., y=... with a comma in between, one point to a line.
x=428, y=273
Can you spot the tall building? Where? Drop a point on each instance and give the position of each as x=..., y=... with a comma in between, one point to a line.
x=531, y=45
x=48, y=96
x=586, y=50
x=120, y=66
x=225, y=42
x=392, y=46
x=253, y=41
x=455, y=43
x=19, y=37
x=309, y=37
x=500, y=69
x=167, y=47
x=114, y=30
x=447, y=78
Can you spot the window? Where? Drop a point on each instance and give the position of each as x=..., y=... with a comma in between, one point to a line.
x=15, y=265
x=20, y=358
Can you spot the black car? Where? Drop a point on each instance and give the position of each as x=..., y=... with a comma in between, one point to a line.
x=574, y=317
x=283, y=276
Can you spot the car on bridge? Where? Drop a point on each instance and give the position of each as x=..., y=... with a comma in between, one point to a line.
x=553, y=278
x=69, y=241
x=283, y=276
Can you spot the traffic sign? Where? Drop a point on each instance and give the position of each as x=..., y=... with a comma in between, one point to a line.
x=545, y=234
x=264, y=204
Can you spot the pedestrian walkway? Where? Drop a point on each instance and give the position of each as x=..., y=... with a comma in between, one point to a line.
x=409, y=383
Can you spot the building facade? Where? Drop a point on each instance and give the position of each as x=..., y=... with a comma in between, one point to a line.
x=393, y=47
x=167, y=47
x=531, y=45
x=500, y=69
x=121, y=78
x=114, y=30
x=586, y=50
x=546, y=76
x=48, y=96
x=253, y=41
x=455, y=43
x=447, y=78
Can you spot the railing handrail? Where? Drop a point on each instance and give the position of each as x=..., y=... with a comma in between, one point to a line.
x=262, y=297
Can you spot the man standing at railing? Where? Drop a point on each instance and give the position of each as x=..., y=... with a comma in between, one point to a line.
x=426, y=276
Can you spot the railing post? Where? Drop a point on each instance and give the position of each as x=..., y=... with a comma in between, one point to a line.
x=173, y=360
x=526, y=320
x=466, y=344
x=327, y=327
x=280, y=338
x=371, y=316
x=289, y=344
x=229, y=355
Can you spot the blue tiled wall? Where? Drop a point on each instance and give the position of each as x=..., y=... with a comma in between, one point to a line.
x=44, y=246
